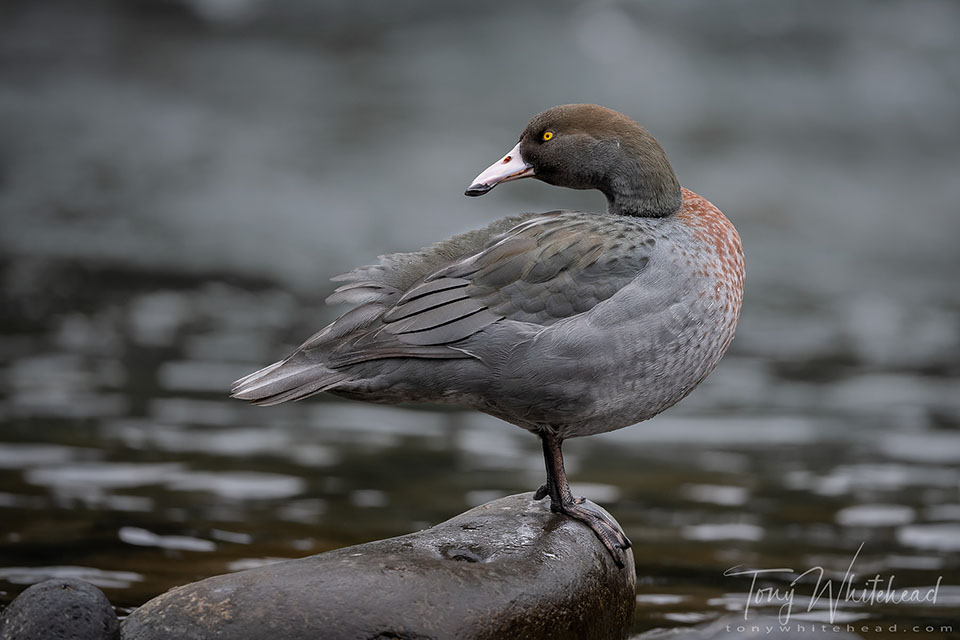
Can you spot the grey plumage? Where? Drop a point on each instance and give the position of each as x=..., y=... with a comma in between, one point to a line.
x=514, y=307
x=564, y=323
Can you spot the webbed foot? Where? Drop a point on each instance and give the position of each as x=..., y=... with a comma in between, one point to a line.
x=609, y=532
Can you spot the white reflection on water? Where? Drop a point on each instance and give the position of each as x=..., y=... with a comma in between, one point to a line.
x=943, y=537
x=716, y=494
x=869, y=476
x=660, y=599
x=235, y=442
x=239, y=485
x=99, y=577
x=875, y=515
x=144, y=538
x=117, y=502
x=689, y=617
x=88, y=481
x=83, y=478
x=231, y=536
x=21, y=456
x=723, y=531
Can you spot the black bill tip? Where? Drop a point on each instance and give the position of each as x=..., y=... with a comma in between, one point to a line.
x=478, y=189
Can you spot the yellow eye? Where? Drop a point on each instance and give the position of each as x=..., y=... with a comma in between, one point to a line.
x=547, y=135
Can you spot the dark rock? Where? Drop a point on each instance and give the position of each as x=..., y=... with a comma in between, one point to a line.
x=60, y=610
x=507, y=569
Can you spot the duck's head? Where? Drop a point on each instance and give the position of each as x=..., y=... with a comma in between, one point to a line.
x=586, y=146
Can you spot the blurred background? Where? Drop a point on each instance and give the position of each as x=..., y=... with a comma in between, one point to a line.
x=180, y=178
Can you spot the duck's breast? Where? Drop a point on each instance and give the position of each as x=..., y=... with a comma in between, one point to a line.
x=645, y=348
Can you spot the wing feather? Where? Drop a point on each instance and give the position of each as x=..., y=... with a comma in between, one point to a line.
x=542, y=270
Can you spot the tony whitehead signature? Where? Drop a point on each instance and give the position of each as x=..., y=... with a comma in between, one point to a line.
x=876, y=590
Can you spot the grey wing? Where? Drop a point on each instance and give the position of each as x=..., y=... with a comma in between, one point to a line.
x=542, y=270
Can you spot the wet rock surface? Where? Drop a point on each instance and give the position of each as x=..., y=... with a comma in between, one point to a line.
x=506, y=569
x=60, y=610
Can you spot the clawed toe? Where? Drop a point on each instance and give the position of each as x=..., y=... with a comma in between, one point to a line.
x=605, y=529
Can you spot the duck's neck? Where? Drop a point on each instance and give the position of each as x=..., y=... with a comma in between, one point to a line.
x=644, y=190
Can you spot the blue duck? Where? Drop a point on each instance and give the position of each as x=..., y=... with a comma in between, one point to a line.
x=564, y=323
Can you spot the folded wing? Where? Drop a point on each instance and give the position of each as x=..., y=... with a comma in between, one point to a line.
x=426, y=305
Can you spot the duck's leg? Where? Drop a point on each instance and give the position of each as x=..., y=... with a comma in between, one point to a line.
x=562, y=500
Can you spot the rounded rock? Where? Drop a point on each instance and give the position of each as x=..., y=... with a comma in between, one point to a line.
x=60, y=609
x=506, y=569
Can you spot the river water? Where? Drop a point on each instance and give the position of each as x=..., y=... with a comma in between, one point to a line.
x=178, y=181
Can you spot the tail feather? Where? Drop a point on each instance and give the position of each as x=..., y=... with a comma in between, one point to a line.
x=250, y=377
x=290, y=379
